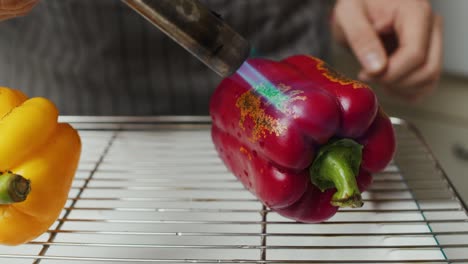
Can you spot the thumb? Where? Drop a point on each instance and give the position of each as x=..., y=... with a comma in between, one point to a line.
x=352, y=26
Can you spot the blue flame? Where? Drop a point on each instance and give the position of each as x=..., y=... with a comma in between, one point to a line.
x=262, y=86
x=252, y=76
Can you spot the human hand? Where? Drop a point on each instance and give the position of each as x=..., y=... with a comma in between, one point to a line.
x=14, y=8
x=398, y=43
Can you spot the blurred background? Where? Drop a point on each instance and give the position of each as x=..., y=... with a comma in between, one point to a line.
x=443, y=117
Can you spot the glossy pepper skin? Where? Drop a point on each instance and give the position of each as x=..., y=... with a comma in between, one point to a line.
x=301, y=137
x=45, y=153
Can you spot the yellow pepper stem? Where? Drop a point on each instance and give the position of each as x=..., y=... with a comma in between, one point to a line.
x=14, y=188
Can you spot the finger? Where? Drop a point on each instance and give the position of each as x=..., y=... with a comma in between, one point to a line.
x=355, y=27
x=430, y=71
x=7, y=14
x=26, y=9
x=15, y=4
x=413, y=28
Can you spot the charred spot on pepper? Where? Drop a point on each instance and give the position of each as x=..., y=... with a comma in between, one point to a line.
x=250, y=106
x=244, y=151
x=280, y=96
x=335, y=76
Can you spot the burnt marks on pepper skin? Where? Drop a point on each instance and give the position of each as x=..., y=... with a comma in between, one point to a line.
x=337, y=77
x=250, y=106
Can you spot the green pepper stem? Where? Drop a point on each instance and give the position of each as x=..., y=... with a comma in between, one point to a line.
x=336, y=166
x=13, y=188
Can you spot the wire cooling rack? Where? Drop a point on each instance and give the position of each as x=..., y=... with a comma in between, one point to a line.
x=152, y=190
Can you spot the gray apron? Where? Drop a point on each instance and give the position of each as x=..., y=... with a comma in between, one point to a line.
x=98, y=57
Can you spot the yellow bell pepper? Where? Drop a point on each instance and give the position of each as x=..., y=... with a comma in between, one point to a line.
x=38, y=160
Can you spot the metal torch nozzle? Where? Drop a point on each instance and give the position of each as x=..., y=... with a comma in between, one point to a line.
x=198, y=30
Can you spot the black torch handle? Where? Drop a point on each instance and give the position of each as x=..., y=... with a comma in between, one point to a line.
x=198, y=30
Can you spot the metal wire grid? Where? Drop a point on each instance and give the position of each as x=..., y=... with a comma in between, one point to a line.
x=154, y=192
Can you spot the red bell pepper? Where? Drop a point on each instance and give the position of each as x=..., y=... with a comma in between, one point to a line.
x=301, y=137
